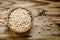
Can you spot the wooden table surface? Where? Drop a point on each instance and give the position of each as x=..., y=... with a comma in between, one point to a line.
x=36, y=33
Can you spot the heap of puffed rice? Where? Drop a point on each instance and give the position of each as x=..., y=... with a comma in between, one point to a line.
x=20, y=20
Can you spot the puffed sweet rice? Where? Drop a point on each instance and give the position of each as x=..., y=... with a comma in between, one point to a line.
x=20, y=20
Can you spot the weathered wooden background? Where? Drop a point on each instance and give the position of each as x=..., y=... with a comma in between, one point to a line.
x=44, y=12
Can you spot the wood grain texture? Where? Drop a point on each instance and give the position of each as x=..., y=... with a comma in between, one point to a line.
x=39, y=29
